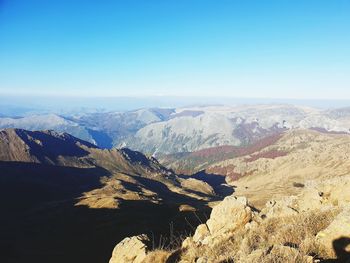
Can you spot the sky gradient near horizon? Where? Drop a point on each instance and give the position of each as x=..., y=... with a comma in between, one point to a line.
x=262, y=48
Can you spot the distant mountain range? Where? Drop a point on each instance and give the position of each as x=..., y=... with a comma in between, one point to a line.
x=161, y=131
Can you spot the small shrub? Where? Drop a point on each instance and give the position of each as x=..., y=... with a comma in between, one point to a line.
x=298, y=185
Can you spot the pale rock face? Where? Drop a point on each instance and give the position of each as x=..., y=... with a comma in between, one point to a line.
x=316, y=195
x=331, y=192
x=202, y=260
x=130, y=250
x=187, y=243
x=229, y=215
x=282, y=207
x=336, y=190
x=233, y=219
x=336, y=237
x=202, y=232
x=311, y=199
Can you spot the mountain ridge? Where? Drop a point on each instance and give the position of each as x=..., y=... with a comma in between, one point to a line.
x=125, y=167
x=160, y=131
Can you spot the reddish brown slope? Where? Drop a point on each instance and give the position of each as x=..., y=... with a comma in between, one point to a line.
x=189, y=163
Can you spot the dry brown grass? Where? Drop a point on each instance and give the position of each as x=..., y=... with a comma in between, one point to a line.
x=297, y=232
x=157, y=256
x=276, y=240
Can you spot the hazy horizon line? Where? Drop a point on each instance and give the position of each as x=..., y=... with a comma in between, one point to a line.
x=76, y=96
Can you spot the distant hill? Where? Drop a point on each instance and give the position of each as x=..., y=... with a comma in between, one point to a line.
x=46, y=122
x=233, y=126
x=163, y=131
x=197, y=161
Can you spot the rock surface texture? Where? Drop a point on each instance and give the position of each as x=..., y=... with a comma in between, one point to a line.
x=130, y=249
x=311, y=226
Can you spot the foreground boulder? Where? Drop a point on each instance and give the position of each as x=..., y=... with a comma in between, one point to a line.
x=130, y=250
x=336, y=237
x=280, y=208
x=229, y=215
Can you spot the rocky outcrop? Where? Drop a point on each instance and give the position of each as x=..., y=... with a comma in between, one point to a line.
x=135, y=250
x=130, y=250
x=336, y=237
x=232, y=213
x=288, y=229
x=279, y=208
x=229, y=215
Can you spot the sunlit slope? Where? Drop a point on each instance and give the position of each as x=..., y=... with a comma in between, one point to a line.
x=285, y=166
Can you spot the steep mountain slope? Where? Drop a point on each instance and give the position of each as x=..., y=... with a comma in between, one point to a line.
x=57, y=191
x=286, y=165
x=186, y=133
x=47, y=147
x=132, y=175
x=114, y=128
x=197, y=161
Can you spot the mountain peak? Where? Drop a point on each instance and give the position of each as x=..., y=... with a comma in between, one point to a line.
x=39, y=146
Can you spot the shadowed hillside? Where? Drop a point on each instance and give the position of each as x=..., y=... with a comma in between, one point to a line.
x=40, y=222
x=64, y=200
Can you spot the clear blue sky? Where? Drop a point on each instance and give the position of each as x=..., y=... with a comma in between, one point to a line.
x=242, y=48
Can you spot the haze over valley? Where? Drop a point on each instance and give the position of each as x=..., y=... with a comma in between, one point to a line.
x=175, y=131
x=192, y=158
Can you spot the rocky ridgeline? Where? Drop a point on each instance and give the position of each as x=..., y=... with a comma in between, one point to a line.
x=310, y=227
